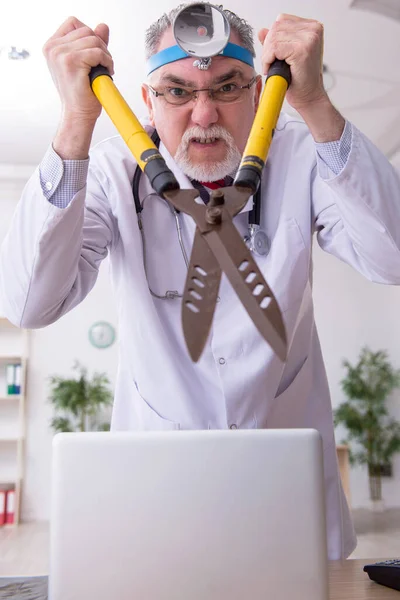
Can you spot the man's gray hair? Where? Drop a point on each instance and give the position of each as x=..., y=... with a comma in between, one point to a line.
x=155, y=32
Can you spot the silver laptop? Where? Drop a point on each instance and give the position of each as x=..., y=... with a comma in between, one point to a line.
x=188, y=515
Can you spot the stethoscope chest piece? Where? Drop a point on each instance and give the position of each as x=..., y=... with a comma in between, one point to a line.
x=257, y=240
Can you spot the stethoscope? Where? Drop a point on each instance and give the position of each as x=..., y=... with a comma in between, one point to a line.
x=256, y=238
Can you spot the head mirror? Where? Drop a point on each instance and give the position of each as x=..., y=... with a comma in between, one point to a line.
x=201, y=30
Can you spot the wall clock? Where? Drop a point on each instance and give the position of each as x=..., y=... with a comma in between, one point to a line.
x=101, y=334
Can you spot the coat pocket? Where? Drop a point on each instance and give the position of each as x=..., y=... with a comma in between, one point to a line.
x=149, y=418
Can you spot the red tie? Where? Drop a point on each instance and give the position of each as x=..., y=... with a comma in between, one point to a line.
x=214, y=185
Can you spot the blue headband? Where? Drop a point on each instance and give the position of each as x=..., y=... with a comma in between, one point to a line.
x=174, y=53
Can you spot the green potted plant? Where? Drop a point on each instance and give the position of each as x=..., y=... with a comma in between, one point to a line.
x=364, y=414
x=78, y=402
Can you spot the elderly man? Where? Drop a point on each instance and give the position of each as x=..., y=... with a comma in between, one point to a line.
x=322, y=176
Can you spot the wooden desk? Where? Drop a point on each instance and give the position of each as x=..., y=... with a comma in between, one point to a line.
x=347, y=581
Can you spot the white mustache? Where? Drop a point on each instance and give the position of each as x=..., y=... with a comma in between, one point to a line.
x=215, y=131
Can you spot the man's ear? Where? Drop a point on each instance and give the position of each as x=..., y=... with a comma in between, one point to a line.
x=258, y=91
x=146, y=95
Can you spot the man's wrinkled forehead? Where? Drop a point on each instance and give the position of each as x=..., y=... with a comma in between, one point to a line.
x=185, y=69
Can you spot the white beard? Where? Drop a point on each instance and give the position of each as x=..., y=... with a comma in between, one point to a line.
x=208, y=171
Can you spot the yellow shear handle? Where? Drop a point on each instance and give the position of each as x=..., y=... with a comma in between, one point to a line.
x=143, y=149
x=259, y=141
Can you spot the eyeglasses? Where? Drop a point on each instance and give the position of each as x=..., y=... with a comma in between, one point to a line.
x=227, y=93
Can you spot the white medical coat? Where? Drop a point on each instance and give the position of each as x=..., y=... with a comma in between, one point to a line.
x=51, y=256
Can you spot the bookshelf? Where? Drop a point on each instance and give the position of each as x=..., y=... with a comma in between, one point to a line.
x=14, y=349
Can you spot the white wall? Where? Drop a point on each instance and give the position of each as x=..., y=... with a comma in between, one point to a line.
x=350, y=312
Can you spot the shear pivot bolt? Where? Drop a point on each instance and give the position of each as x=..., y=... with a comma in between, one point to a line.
x=217, y=198
x=213, y=215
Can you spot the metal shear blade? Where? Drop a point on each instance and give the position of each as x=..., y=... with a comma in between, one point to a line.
x=219, y=247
